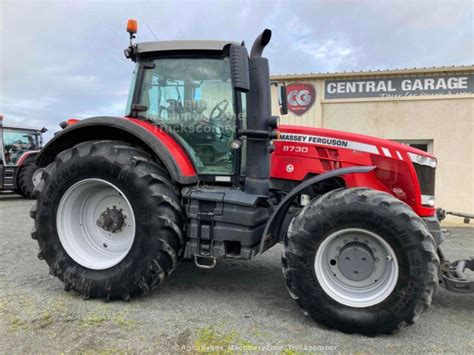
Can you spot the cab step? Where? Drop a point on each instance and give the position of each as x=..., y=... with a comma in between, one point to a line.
x=205, y=262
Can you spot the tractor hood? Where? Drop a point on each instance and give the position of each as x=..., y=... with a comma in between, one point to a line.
x=352, y=141
x=403, y=171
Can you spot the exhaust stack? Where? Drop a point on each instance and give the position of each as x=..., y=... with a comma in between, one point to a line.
x=260, y=43
x=259, y=116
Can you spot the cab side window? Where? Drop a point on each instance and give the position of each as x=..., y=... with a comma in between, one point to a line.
x=193, y=98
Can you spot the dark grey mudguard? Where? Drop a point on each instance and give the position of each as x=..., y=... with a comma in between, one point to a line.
x=272, y=229
x=113, y=128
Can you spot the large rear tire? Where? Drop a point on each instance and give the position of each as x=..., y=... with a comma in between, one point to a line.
x=25, y=178
x=360, y=261
x=108, y=220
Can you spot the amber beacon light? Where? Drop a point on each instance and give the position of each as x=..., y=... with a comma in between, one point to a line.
x=132, y=26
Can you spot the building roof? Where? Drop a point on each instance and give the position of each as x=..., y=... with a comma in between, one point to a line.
x=387, y=72
x=144, y=47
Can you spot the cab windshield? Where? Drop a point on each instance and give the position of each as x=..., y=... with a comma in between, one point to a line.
x=193, y=97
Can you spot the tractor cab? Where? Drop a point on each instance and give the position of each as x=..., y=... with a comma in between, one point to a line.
x=18, y=141
x=197, y=92
x=189, y=93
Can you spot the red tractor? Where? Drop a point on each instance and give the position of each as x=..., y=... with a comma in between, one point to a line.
x=18, y=150
x=200, y=169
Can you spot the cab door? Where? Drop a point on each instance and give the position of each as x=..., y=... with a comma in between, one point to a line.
x=193, y=98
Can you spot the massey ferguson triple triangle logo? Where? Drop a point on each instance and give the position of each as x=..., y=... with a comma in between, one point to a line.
x=300, y=97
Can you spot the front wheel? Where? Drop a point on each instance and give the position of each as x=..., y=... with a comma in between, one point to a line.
x=360, y=261
x=108, y=220
x=25, y=177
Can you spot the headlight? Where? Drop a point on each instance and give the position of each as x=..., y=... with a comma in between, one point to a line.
x=422, y=160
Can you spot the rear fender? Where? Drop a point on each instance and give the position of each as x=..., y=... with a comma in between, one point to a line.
x=272, y=229
x=146, y=135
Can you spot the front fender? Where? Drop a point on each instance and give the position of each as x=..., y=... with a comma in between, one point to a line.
x=274, y=223
x=25, y=155
x=144, y=134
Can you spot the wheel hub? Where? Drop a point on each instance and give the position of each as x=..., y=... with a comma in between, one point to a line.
x=96, y=224
x=356, y=267
x=111, y=220
x=356, y=261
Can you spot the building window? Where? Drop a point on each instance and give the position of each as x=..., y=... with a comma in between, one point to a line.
x=424, y=145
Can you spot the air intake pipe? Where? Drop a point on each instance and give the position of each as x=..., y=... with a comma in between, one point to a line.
x=258, y=115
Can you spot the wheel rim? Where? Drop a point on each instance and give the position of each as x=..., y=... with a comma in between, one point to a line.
x=84, y=235
x=356, y=267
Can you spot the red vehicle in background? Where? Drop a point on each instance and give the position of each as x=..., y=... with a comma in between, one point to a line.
x=18, y=150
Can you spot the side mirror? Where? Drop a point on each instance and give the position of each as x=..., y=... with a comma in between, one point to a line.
x=239, y=68
x=282, y=99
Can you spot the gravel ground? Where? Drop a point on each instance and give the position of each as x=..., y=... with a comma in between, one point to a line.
x=238, y=305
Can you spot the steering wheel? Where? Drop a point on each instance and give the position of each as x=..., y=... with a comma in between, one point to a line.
x=219, y=109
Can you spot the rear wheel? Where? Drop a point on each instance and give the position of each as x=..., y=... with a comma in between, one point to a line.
x=25, y=177
x=360, y=261
x=108, y=220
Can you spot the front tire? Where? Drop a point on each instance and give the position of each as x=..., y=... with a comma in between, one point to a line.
x=108, y=220
x=25, y=178
x=360, y=261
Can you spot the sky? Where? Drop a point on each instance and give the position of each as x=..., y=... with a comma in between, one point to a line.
x=64, y=59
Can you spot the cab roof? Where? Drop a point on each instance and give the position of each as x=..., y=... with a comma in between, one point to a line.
x=157, y=46
x=22, y=128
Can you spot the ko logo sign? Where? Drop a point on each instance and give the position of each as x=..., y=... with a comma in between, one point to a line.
x=300, y=97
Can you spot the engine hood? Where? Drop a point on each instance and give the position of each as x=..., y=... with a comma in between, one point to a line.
x=405, y=172
x=347, y=140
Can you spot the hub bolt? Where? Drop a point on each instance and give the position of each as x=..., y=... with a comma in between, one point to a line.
x=111, y=220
